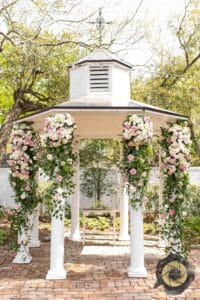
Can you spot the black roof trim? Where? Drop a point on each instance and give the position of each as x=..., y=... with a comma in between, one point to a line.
x=143, y=108
x=103, y=60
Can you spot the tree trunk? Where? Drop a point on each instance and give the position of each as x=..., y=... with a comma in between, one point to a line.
x=193, y=136
x=99, y=185
x=6, y=127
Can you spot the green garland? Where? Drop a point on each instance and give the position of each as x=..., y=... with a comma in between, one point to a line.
x=59, y=159
x=137, y=154
x=175, y=159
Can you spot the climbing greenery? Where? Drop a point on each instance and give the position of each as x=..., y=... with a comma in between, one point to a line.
x=58, y=159
x=137, y=154
x=175, y=158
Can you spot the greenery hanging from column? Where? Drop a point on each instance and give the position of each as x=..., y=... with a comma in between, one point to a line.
x=59, y=159
x=175, y=158
x=137, y=154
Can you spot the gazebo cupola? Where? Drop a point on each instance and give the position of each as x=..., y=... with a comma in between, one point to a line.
x=100, y=79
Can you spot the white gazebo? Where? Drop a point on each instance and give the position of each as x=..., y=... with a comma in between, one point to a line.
x=99, y=102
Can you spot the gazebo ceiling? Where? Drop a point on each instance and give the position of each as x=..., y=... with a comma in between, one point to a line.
x=104, y=121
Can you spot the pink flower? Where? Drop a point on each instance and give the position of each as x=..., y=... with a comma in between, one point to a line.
x=25, y=172
x=132, y=171
x=16, y=174
x=171, y=212
x=130, y=157
x=170, y=172
x=146, y=200
x=131, y=144
x=168, y=141
x=59, y=178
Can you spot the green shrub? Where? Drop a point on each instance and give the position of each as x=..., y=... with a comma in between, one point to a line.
x=151, y=208
x=193, y=225
x=9, y=228
x=192, y=201
x=96, y=223
x=3, y=237
x=151, y=229
x=191, y=233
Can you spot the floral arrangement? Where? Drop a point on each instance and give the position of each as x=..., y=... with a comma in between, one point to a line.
x=23, y=164
x=175, y=158
x=59, y=159
x=137, y=152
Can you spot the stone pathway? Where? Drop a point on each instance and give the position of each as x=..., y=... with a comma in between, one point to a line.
x=96, y=271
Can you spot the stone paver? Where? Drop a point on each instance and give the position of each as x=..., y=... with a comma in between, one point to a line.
x=95, y=272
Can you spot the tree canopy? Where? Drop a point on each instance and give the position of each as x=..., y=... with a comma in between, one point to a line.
x=175, y=83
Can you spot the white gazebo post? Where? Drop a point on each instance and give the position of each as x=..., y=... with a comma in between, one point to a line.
x=75, y=200
x=22, y=256
x=124, y=199
x=57, y=270
x=137, y=268
x=34, y=241
x=34, y=230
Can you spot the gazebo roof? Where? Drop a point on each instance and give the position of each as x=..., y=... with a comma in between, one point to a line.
x=95, y=121
x=102, y=55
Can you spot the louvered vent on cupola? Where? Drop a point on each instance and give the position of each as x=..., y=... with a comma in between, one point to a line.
x=99, y=79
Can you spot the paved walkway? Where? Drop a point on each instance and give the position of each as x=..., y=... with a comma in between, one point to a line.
x=96, y=271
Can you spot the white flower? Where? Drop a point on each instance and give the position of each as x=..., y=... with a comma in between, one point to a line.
x=69, y=121
x=126, y=134
x=50, y=157
x=59, y=190
x=133, y=189
x=23, y=196
x=134, y=118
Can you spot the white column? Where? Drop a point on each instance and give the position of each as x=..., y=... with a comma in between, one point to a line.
x=22, y=256
x=136, y=268
x=57, y=270
x=34, y=230
x=124, y=215
x=75, y=200
x=124, y=199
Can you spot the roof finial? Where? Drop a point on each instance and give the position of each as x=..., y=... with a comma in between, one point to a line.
x=100, y=22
